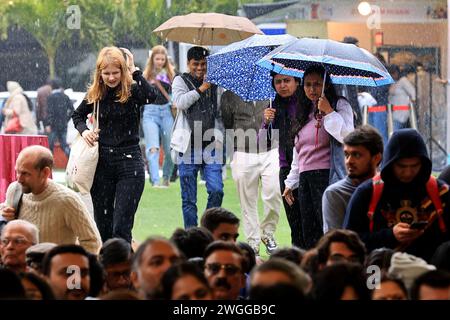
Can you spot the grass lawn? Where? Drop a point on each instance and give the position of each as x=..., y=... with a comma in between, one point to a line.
x=159, y=211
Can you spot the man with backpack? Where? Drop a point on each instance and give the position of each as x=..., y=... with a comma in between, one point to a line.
x=60, y=109
x=405, y=207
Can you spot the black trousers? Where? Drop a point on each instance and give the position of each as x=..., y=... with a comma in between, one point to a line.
x=292, y=212
x=312, y=185
x=118, y=185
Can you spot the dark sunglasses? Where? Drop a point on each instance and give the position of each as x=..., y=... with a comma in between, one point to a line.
x=230, y=270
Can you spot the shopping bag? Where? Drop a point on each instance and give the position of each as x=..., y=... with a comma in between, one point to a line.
x=83, y=159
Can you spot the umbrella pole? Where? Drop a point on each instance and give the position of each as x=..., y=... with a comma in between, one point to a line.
x=324, y=79
x=270, y=103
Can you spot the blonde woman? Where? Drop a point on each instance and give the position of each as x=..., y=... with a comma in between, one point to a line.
x=120, y=177
x=157, y=119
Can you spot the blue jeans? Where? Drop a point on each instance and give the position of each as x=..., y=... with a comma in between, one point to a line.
x=212, y=173
x=59, y=135
x=379, y=121
x=157, y=122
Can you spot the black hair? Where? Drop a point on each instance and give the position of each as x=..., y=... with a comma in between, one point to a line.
x=280, y=292
x=61, y=249
x=177, y=271
x=330, y=282
x=42, y=285
x=193, y=241
x=292, y=254
x=386, y=277
x=212, y=217
x=366, y=136
x=11, y=287
x=56, y=83
x=249, y=256
x=225, y=246
x=435, y=279
x=380, y=257
x=114, y=251
x=197, y=53
x=97, y=275
x=305, y=106
x=348, y=237
x=441, y=257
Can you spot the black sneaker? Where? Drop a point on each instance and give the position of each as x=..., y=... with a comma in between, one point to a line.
x=270, y=243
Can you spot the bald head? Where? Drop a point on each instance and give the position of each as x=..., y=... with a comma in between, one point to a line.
x=42, y=157
x=33, y=168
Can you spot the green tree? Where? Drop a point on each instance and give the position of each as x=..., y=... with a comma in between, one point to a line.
x=51, y=24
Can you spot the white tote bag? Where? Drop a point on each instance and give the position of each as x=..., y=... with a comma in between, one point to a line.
x=82, y=162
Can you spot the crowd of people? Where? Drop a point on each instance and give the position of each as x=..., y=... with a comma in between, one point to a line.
x=367, y=221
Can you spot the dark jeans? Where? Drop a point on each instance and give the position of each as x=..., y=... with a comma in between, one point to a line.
x=292, y=212
x=118, y=186
x=312, y=185
x=212, y=173
x=59, y=135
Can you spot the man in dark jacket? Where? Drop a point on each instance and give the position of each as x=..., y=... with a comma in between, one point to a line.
x=403, y=203
x=60, y=110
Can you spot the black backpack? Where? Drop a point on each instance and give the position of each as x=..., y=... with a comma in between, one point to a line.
x=29, y=102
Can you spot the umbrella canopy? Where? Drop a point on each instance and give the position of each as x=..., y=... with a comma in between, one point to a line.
x=234, y=67
x=207, y=29
x=345, y=63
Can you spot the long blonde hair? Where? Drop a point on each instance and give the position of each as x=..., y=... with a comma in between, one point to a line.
x=150, y=72
x=97, y=90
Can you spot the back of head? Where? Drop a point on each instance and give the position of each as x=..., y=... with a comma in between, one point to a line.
x=292, y=254
x=379, y=257
x=197, y=53
x=406, y=143
x=351, y=40
x=249, y=255
x=441, y=257
x=280, y=292
x=193, y=241
x=56, y=83
x=298, y=278
x=11, y=286
x=330, y=283
x=212, y=217
x=114, y=251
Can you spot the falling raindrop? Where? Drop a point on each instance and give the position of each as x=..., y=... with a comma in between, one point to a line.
x=106, y=211
x=37, y=64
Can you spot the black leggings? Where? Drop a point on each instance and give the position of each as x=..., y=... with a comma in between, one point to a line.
x=117, y=189
x=312, y=185
x=292, y=212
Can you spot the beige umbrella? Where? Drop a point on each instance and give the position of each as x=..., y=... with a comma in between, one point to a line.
x=206, y=29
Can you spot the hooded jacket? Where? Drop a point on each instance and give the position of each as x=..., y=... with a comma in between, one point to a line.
x=400, y=202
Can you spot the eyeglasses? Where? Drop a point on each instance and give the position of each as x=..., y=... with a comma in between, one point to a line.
x=15, y=241
x=230, y=269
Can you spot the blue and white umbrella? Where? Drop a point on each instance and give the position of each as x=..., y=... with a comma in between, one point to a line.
x=234, y=67
x=345, y=63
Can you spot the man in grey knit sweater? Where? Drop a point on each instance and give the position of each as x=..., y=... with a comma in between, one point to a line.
x=363, y=149
x=58, y=212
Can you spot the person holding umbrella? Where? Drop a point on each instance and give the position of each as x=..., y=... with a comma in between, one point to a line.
x=323, y=120
x=280, y=117
x=196, y=121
